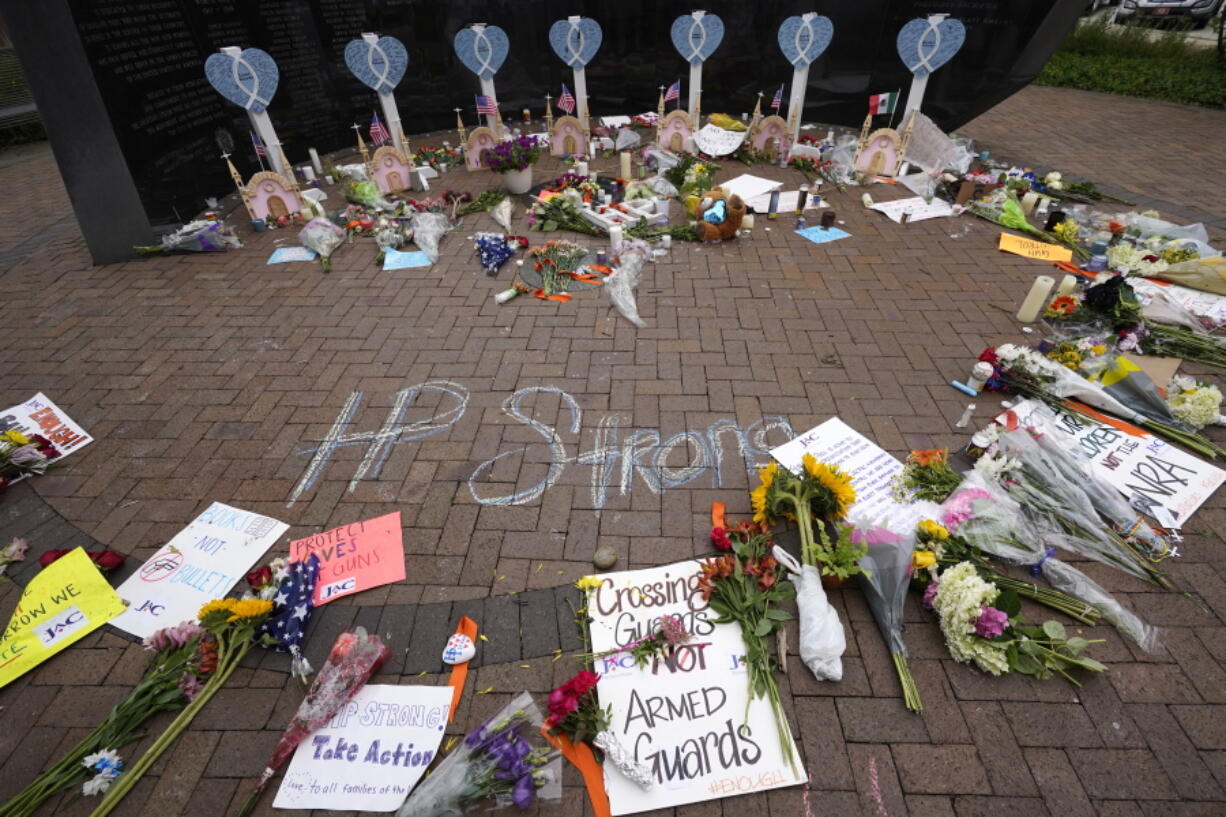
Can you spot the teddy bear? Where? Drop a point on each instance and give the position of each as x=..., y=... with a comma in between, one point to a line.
x=719, y=215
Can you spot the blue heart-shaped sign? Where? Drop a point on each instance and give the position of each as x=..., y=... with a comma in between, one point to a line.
x=696, y=38
x=803, y=39
x=248, y=80
x=379, y=65
x=925, y=45
x=482, y=52
x=575, y=41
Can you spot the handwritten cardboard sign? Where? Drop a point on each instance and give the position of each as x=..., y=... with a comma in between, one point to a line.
x=65, y=602
x=871, y=468
x=684, y=718
x=201, y=563
x=39, y=415
x=1145, y=466
x=1030, y=248
x=715, y=141
x=371, y=754
x=356, y=557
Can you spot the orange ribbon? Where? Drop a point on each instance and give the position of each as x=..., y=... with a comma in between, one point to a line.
x=1127, y=428
x=459, y=672
x=561, y=297
x=717, y=515
x=581, y=757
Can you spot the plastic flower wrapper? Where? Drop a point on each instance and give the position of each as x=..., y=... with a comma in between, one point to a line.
x=366, y=193
x=822, y=640
x=497, y=761
x=354, y=658
x=985, y=516
x=428, y=231
x=886, y=577
x=13, y=552
x=201, y=235
x=494, y=250
x=501, y=213
x=322, y=236
x=620, y=285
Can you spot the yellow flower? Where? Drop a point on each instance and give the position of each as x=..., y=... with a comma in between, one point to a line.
x=589, y=583
x=923, y=559
x=932, y=530
x=250, y=608
x=1100, y=349
x=757, y=497
x=216, y=606
x=16, y=437
x=842, y=494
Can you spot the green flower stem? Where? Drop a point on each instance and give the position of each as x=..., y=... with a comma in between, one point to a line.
x=910, y=693
x=1080, y=611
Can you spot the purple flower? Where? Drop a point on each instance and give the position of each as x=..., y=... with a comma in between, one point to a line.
x=525, y=792
x=26, y=455
x=930, y=593
x=475, y=738
x=991, y=622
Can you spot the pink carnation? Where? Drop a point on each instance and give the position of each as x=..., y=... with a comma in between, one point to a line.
x=958, y=507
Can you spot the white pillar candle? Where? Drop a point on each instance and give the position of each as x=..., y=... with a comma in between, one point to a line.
x=308, y=173
x=592, y=148
x=329, y=180
x=666, y=241
x=625, y=157
x=1029, y=201
x=1067, y=284
x=615, y=238
x=315, y=163
x=581, y=168
x=1036, y=299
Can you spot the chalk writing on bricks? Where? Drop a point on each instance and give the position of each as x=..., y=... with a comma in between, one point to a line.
x=619, y=457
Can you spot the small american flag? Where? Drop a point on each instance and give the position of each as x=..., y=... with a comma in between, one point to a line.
x=378, y=133
x=566, y=102
x=291, y=611
x=778, y=100
x=260, y=150
x=673, y=92
x=487, y=106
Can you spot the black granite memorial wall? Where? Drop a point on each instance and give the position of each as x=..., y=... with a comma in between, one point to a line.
x=145, y=68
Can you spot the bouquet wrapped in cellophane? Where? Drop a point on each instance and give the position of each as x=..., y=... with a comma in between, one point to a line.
x=498, y=761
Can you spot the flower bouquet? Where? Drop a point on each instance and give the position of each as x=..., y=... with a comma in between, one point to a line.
x=1007, y=212
x=657, y=645
x=496, y=761
x=104, y=560
x=1194, y=403
x=22, y=456
x=989, y=519
x=366, y=193
x=322, y=236
x=926, y=475
x=983, y=626
x=575, y=714
x=181, y=657
x=440, y=158
x=429, y=227
x=519, y=153
x=354, y=658
x=202, y=235
x=494, y=250
x=746, y=586
x=560, y=211
x=886, y=573
x=485, y=200
x=554, y=260
x=12, y=553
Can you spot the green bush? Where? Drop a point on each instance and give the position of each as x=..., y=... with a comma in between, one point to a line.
x=1174, y=80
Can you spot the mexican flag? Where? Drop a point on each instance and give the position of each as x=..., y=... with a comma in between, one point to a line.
x=882, y=103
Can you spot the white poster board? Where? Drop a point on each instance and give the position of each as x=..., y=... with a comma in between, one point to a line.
x=871, y=468
x=1199, y=303
x=748, y=186
x=39, y=415
x=684, y=719
x=371, y=754
x=1146, y=466
x=715, y=141
x=201, y=563
x=928, y=146
x=916, y=209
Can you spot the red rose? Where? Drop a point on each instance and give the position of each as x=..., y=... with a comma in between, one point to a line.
x=989, y=355
x=107, y=560
x=720, y=540
x=50, y=556
x=583, y=682
x=260, y=577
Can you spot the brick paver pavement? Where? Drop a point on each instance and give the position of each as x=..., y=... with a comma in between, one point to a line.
x=534, y=432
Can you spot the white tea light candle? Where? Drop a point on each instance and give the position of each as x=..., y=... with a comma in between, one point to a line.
x=1036, y=299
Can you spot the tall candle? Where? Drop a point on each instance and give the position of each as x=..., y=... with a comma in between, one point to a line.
x=315, y=163
x=581, y=168
x=773, y=207
x=615, y=238
x=308, y=173
x=662, y=206
x=1029, y=201
x=1067, y=284
x=1035, y=299
x=625, y=157
x=801, y=197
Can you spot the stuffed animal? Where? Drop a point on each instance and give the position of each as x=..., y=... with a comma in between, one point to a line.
x=719, y=215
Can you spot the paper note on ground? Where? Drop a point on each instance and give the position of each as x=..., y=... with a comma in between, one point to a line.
x=748, y=187
x=916, y=209
x=39, y=415
x=395, y=259
x=684, y=717
x=1146, y=466
x=871, y=468
x=787, y=201
x=821, y=235
x=283, y=255
x=63, y=603
x=356, y=557
x=201, y=563
x=371, y=754
x=1030, y=248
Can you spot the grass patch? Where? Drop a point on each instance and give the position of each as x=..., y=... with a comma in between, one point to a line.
x=1131, y=61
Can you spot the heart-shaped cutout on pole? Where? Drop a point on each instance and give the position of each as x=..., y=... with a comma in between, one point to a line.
x=576, y=41
x=696, y=38
x=379, y=65
x=926, y=44
x=482, y=51
x=249, y=80
x=804, y=40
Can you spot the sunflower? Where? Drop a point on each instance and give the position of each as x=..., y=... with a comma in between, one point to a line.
x=930, y=456
x=216, y=606
x=838, y=496
x=250, y=608
x=757, y=497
